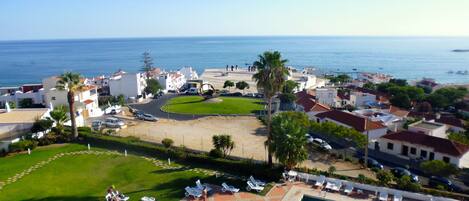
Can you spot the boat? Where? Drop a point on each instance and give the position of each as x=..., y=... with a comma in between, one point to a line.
x=460, y=50
x=450, y=72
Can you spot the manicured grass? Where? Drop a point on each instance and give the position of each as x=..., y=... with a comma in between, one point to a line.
x=197, y=105
x=87, y=176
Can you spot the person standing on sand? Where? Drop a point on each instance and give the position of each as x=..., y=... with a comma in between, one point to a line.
x=236, y=68
x=232, y=67
x=226, y=67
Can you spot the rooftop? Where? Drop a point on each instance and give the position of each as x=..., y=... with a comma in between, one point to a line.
x=357, y=122
x=438, y=144
x=22, y=115
x=426, y=125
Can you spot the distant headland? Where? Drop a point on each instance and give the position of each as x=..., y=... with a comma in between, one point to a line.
x=460, y=50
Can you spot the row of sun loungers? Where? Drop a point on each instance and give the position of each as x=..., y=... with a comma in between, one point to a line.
x=254, y=184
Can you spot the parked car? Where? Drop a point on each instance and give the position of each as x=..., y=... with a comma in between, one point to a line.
x=96, y=125
x=318, y=141
x=250, y=95
x=113, y=122
x=192, y=91
x=147, y=117
x=435, y=181
x=137, y=113
x=400, y=172
x=372, y=163
x=309, y=138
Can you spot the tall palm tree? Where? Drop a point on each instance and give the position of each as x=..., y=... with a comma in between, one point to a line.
x=71, y=83
x=270, y=78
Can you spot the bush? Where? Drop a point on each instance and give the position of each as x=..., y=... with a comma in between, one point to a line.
x=23, y=145
x=384, y=177
x=177, y=153
x=439, y=168
x=167, y=142
x=361, y=178
x=405, y=183
x=331, y=170
x=216, y=153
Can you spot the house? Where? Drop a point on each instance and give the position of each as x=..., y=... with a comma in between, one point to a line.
x=16, y=122
x=86, y=100
x=189, y=73
x=171, y=81
x=427, y=82
x=306, y=103
x=8, y=90
x=375, y=78
x=101, y=83
x=392, y=121
x=398, y=111
x=130, y=85
x=429, y=128
x=413, y=145
x=361, y=99
x=374, y=129
x=34, y=92
x=453, y=123
x=327, y=96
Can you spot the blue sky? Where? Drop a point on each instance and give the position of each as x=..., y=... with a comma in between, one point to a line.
x=57, y=19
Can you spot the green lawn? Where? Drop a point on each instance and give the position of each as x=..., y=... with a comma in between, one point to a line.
x=197, y=105
x=86, y=177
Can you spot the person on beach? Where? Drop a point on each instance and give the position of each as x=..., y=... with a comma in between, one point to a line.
x=236, y=68
x=249, y=68
x=232, y=67
x=226, y=67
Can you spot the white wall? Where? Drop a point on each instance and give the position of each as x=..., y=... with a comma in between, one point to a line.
x=358, y=99
x=129, y=85
x=438, y=132
x=326, y=96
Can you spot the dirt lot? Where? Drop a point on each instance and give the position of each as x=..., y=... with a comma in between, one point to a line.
x=247, y=132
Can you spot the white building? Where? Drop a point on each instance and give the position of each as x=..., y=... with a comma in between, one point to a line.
x=37, y=97
x=189, y=73
x=327, y=96
x=429, y=128
x=393, y=122
x=171, y=81
x=374, y=129
x=131, y=85
x=375, y=78
x=86, y=100
x=360, y=99
x=412, y=145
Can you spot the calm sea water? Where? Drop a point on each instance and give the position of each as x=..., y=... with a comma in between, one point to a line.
x=403, y=57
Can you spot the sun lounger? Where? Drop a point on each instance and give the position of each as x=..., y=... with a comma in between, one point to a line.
x=194, y=192
x=201, y=186
x=252, y=186
x=147, y=199
x=397, y=197
x=108, y=197
x=383, y=196
x=337, y=186
x=329, y=185
x=320, y=181
x=229, y=188
x=348, y=188
x=256, y=182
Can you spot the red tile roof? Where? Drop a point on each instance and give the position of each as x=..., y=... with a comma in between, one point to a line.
x=445, y=119
x=398, y=111
x=303, y=94
x=88, y=101
x=438, y=144
x=310, y=104
x=357, y=122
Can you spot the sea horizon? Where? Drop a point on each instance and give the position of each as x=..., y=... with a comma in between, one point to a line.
x=407, y=57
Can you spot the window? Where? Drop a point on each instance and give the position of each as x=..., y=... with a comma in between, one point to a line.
x=413, y=150
x=446, y=159
x=431, y=156
x=390, y=146
x=53, y=98
x=423, y=154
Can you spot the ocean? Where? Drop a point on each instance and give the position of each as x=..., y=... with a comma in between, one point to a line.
x=403, y=57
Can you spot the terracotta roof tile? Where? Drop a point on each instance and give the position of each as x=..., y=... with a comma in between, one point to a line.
x=310, y=104
x=438, y=144
x=357, y=122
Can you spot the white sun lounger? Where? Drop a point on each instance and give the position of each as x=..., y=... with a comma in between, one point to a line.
x=337, y=186
x=108, y=197
x=252, y=186
x=194, y=192
x=320, y=181
x=348, y=188
x=383, y=196
x=256, y=182
x=147, y=199
x=201, y=187
x=397, y=197
x=229, y=188
x=329, y=185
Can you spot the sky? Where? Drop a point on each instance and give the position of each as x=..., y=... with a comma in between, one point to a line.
x=65, y=19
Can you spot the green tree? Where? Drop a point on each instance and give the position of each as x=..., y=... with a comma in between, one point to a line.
x=26, y=103
x=290, y=86
x=438, y=168
x=270, y=78
x=339, y=79
x=288, y=138
x=71, y=83
x=384, y=177
x=369, y=86
x=445, y=97
x=401, y=100
x=228, y=84
x=399, y=82
x=59, y=115
x=41, y=125
x=167, y=142
x=120, y=99
x=405, y=183
x=153, y=86
x=147, y=62
x=224, y=143
x=462, y=138
x=242, y=85
x=339, y=132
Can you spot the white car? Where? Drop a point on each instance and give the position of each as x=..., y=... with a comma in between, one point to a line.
x=323, y=144
x=112, y=122
x=309, y=138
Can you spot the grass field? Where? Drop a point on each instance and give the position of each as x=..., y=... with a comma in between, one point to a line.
x=87, y=176
x=197, y=105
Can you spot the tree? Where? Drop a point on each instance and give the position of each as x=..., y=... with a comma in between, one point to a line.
x=445, y=97
x=369, y=86
x=384, y=177
x=71, y=83
x=224, y=143
x=41, y=125
x=228, y=84
x=26, y=103
x=167, y=142
x=401, y=100
x=438, y=168
x=399, y=82
x=242, y=85
x=288, y=138
x=147, y=62
x=59, y=115
x=405, y=183
x=120, y=99
x=290, y=86
x=462, y=138
x=424, y=107
x=270, y=78
x=339, y=79
x=340, y=132
x=153, y=86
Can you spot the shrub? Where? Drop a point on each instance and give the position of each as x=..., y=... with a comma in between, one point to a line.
x=331, y=170
x=361, y=178
x=216, y=153
x=405, y=183
x=23, y=145
x=384, y=177
x=167, y=142
x=224, y=144
x=177, y=153
x=439, y=168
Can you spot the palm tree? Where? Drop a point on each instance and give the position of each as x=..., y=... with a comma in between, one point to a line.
x=270, y=77
x=59, y=115
x=71, y=83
